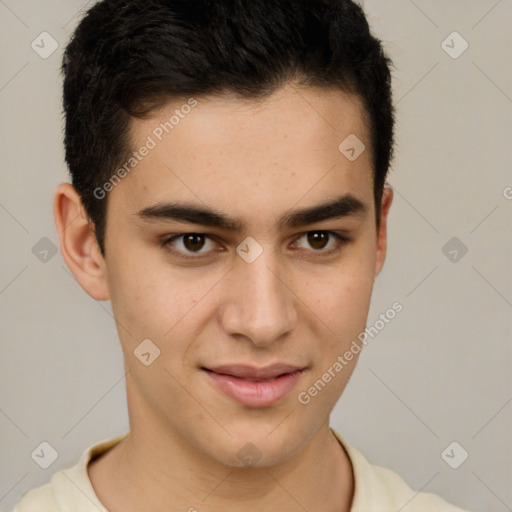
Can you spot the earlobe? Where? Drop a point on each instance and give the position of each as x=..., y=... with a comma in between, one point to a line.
x=78, y=244
x=387, y=199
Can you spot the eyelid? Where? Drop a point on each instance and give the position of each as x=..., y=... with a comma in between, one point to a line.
x=342, y=238
x=166, y=244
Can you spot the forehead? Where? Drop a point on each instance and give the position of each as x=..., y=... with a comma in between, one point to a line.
x=252, y=155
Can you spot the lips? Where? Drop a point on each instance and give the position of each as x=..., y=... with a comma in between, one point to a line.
x=250, y=373
x=255, y=387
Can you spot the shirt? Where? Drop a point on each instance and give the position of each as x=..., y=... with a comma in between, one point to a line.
x=376, y=488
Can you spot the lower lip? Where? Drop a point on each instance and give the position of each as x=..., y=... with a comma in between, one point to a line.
x=256, y=393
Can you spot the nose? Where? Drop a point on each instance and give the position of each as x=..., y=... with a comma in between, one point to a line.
x=259, y=304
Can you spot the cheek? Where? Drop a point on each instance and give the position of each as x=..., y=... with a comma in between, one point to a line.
x=342, y=298
x=142, y=307
x=152, y=301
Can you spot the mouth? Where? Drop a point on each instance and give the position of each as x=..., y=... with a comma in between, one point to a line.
x=255, y=387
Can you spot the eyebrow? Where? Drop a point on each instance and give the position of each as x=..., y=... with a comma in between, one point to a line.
x=343, y=206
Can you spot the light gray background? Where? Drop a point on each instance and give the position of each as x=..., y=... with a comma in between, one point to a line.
x=439, y=372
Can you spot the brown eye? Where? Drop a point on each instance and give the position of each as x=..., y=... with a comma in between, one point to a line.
x=187, y=245
x=193, y=242
x=324, y=242
x=318, y=239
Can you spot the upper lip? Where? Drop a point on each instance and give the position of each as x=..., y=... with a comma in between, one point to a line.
x=251, y=372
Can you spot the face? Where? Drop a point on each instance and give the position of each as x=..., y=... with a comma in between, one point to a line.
x=220, y=250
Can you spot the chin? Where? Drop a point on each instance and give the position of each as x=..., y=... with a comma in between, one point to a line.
x=254, y=446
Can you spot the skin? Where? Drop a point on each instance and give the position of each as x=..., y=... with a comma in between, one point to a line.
x=254, y=161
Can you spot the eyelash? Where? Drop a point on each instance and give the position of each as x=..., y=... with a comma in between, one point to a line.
x=340, y=239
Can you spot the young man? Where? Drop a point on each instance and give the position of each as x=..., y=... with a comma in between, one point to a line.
x=228, y=196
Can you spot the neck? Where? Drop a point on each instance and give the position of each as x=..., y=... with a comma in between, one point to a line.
x=153, y=470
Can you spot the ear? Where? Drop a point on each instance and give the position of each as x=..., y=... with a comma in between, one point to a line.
x=387, y=198
x=78, y=243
